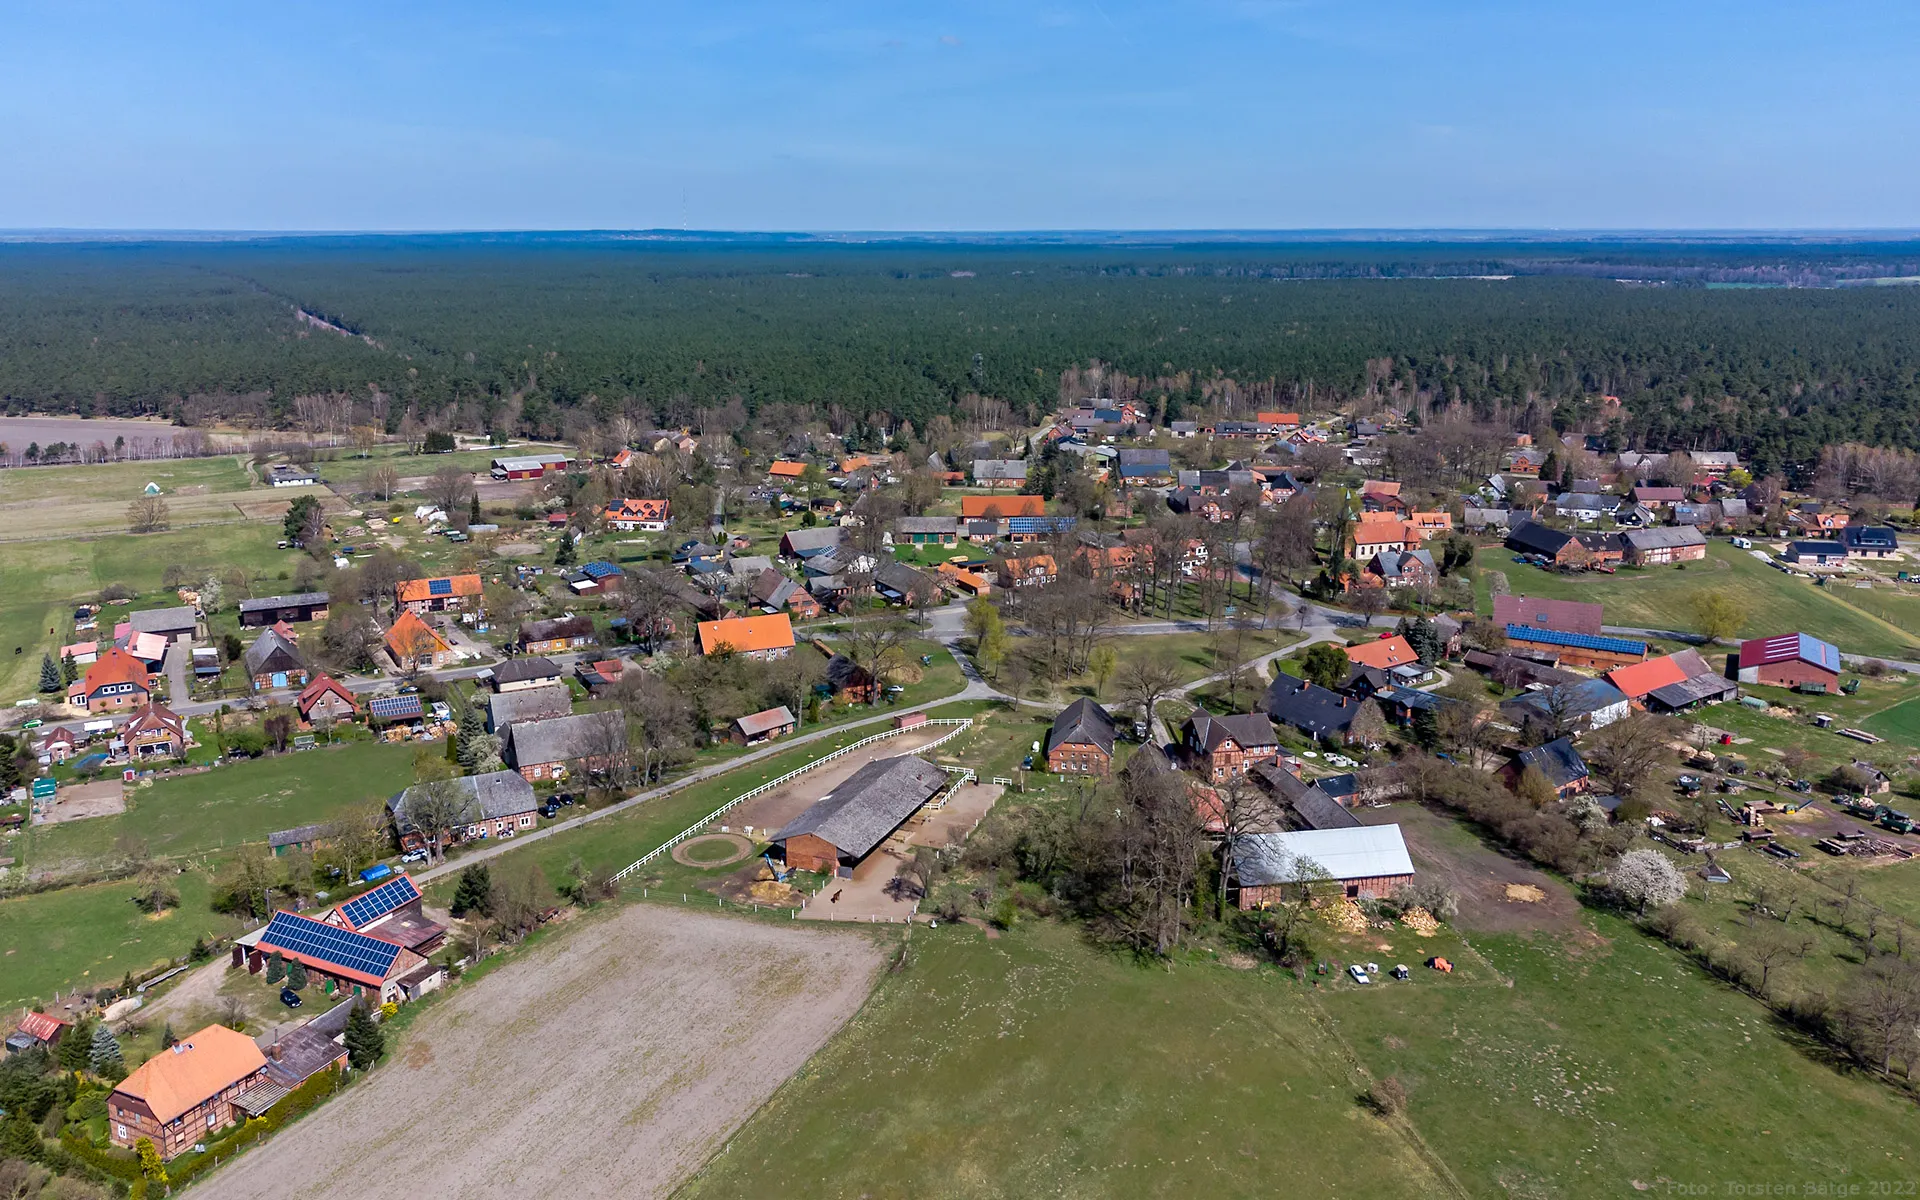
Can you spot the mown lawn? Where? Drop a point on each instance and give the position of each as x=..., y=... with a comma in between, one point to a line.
x=1033, y=1065
x=1662, y=598
x=93, y=935
x=233, y=805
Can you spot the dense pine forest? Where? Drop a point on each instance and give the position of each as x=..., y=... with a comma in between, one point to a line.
x=527, y=335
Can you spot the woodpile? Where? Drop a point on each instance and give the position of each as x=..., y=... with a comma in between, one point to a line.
x=1420, y=921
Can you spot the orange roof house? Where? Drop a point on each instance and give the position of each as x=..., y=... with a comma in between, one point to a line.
x=411, y=637
x=973, y=508
x=769, y=636
x=634, y=512
x=327, y=690
x=1370, y=537
x=854, y=462
x=1384, y=654
x=1637, y=679
x=1277, y=418
x=201, y=1074
x=439, y=592
x=1431, y=522
x=1381, y=487
x=115, y=680
x=782, y=469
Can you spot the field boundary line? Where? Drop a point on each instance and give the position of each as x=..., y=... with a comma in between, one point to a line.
x=962, y=725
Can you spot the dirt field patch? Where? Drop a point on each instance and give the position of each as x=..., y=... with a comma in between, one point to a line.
x=77, y=802
x=1498, y=894
x=607, y=1062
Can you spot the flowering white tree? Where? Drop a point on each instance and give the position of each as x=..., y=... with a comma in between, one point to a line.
x=1647, y=878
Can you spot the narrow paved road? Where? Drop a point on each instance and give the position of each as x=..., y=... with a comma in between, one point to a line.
x=976, y=689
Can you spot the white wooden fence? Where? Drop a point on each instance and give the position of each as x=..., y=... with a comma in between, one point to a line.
x=962, y=725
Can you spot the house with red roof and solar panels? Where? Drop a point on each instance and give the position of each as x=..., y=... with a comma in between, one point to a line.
x=390, y=912
x=343, y=961
x=1796, y=660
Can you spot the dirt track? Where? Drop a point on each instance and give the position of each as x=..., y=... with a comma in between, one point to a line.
x=610, y=1061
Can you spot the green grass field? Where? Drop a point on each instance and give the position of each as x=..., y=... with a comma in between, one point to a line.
x=1032, y=1065
x=40, y=582
x=232, y=805
x=1662, y=598
x=124, y=481
x=1612, y=1064
x=1596, y=1065
x=91, y=936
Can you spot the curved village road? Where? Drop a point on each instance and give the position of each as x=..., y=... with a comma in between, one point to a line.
x=976, y=689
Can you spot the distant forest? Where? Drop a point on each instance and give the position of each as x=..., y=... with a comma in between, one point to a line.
x=530, y=335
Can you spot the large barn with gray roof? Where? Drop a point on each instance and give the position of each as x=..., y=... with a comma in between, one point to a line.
x=849, y=823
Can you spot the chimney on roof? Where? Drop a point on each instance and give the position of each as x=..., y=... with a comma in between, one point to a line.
x=273, y=1052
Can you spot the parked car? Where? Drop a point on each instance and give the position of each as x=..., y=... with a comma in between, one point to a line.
x=414, y=856
x=290, y=998
x=1359, y=976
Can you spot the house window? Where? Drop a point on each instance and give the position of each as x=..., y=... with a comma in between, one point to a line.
x=211, y=1118
x=122, y=1131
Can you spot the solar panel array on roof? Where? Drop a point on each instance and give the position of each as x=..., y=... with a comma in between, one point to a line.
x=1576, y=641
x=600, y=570
x=364, y=910
x=1039, y=524
x=396, y=706
x=439, y=587
x=341, y=947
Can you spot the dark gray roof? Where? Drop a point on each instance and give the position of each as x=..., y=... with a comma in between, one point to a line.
x=872, y=802
x=269, y=603
x=528, y=704
x=162, y=620
x=297, y=835
x=520, y=670
x=1693, y=689
x=1248, y=729
x=926, y=524
x=1665, y=537
x=1314, y=711
x=1082, y=723
x=1557, y=760
x=801, y=541
x=494, y=795
x=271, y=652
x=553, y=627
x=1312, y=806
x=771, y=588
x=1531, y=537
x=301, y=1053
x=902, y=578
x=564, y=739
x=1144, y=458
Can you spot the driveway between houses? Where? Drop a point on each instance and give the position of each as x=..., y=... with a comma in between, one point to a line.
x=179, y=659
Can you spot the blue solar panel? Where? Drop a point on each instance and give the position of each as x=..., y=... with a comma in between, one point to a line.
x=1823, y=654
x=364, y=910
x=439, y=587
x=339, y=947
x=1038, y=524
x=396, y=706
x=600, y=570
x=1576, y=641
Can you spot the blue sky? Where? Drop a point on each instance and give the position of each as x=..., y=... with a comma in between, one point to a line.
x=1129, y=114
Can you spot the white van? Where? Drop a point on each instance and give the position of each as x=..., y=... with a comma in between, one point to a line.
x=1740, y=543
